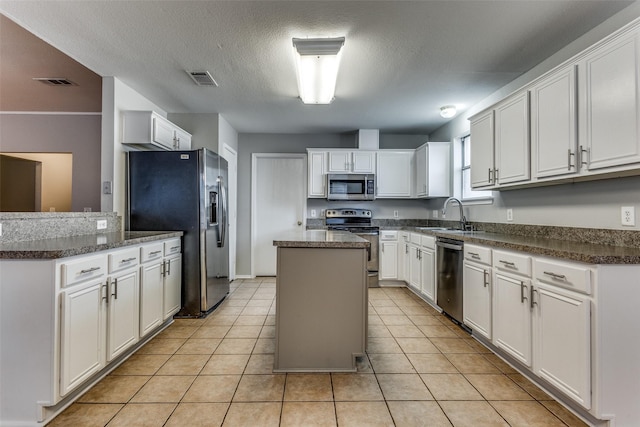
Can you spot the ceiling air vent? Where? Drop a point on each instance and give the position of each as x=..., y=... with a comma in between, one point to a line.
x=202, y=78
x=55, y=81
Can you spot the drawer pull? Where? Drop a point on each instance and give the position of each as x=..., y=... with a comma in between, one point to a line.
x=155, y=252
x=89, y=270
x=555, y=275
x=173, y=248
x=128, y=259
x=508, y=263
x=486, y=275
x=474, y=255
x=522, y=290
x=115, y=289
x=531, y=297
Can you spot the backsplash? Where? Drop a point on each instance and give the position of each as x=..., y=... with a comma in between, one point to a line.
x=23, y=226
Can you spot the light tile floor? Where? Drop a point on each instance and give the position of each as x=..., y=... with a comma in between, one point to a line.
x=420, y=370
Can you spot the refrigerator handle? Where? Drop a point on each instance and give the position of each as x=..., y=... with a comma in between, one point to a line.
x=223, y=217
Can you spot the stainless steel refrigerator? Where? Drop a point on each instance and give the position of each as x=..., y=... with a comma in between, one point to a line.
x=185, y=191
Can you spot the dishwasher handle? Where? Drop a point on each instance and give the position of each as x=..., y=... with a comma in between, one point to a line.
x=450, y=246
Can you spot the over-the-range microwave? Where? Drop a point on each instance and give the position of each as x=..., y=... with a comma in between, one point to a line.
x=352, y=186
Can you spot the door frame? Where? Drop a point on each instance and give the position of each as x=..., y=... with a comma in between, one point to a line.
x=254, y=184
x=233, y=220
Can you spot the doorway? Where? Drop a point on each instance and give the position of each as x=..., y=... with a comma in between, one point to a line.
x=279, y=201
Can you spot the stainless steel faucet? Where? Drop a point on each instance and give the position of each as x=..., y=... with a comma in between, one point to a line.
x=463, y=220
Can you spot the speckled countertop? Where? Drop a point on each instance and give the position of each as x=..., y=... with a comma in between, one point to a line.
x=321, y=239
x=570, y=250
x=63, y=247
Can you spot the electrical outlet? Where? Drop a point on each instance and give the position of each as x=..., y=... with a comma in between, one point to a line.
x=509, y=214
x=107, y=187
x=0, y=229
x=322, y=213
x=628, y=215
x=395, y=214
x=434, y=213
x=313, y=213
x=102, y=224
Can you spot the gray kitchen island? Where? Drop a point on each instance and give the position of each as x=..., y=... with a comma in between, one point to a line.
x=321, y=301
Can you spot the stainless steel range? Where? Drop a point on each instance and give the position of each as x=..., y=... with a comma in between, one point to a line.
x=358, y=221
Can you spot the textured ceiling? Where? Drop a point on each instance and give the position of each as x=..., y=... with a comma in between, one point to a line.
x=402, y=60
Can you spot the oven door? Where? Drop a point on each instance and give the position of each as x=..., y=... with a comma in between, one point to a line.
x=350, y=187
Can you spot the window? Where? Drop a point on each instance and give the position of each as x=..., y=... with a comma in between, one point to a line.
x=467, y=192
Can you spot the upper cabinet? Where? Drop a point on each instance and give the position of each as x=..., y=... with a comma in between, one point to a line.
x=482, y=159
x=356, y=161
x=433, y=170
x=151, y=130
x=394, y=174
x=512, y=139
x=609, y=110
x=316, y=171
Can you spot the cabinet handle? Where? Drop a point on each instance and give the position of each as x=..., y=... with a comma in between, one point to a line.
x=406, y=248
x=507, y=263
x=154, y=252
x=584, y=154
x=474, y=255
x=115, y=289
x=555, y=275
x=522, y=288
x=495, y=175
x=486, y=275
x=569, y=154
x=128, y=259
x=163, y=271
x=490, y=176
x=531, y=297
x=173, y=248
x=89, y=270
x=168, y=267
x=106, y=291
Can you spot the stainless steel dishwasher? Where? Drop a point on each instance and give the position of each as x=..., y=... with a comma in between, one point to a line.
x=449, y=280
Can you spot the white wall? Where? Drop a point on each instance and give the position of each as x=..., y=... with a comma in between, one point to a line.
x=593, y=204
x=116, y=98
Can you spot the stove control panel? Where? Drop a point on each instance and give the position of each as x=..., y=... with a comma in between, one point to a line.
x=348, y=213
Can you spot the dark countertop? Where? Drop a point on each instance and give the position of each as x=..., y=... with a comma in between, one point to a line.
x=63, y=247
x=321, y=239
x=589, y=253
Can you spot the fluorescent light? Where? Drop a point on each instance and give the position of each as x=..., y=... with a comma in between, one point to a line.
x=448, y=111
x=317, y=62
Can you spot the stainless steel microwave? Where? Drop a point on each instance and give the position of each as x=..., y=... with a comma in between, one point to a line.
x=351, y=186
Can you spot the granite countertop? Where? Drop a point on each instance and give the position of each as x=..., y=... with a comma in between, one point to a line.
x=63, y=247
x=321, y=239
x=566, y=249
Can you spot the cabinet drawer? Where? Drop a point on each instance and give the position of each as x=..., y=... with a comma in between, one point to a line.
x=151, y=252
x=389, y=236
x=405, y=237
x=172, y=246
x=478, y=254
x=124, y=259
x=428, y=242
x=415, y=238
x=567, y=275
x=512, y=262
x=82, y=269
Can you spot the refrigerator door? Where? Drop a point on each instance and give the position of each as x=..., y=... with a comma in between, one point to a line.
x=215, y=224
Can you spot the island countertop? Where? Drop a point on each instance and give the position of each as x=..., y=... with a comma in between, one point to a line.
x=63, y=247
x=320, y=239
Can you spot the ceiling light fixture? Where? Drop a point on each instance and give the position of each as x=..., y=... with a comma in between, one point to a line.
x=317, y=62
x=448, y=111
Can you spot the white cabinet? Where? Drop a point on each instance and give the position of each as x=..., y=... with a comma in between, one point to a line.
x=82, y=333
x=482, y=158
x=428, y=273
x=403, y=255
x=433, y=170
x=512, y=140
x=172, y=286
x=388, y=255
x=347, y=161
x=609, y=104
x=316, y=174
x=476, y=296
x=394, y=174
x=151, y=287
x=151, y=130
x=422, y=265
x=123, y=309
x=415, y=264
x=554, y=124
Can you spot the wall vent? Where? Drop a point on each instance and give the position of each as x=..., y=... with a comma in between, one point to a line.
x=55, y=81
x=202, y=78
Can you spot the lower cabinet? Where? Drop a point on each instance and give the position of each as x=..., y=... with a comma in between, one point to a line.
x=476, y=298
x=123, y=309
x=428, y=273
x=172, y=301
x=151, y=296
x=415, y=267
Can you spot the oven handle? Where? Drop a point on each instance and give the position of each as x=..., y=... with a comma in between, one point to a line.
x=449, y=246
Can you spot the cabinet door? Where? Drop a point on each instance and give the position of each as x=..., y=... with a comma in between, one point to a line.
x=422, y=171
x=317, y=178
x=163, y=132
x=512, y=140
x=393, y=176
x=151, y=293
x=562, y=336
x=609, y=110
x=512, y=317
x=554, y=123
x=339, y=161
x=388, y=260
x=415, y=267
x=82, y=329
x=172, y=301
x=428, y=273
x=363, y=162
x=124, y=309
x=476, y=299
x=182, y=140
x=482, y=160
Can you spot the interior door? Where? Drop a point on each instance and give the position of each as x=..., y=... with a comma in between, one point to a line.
x=279, y=201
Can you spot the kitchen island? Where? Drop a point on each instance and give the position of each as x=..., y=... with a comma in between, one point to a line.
x=321, y=301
